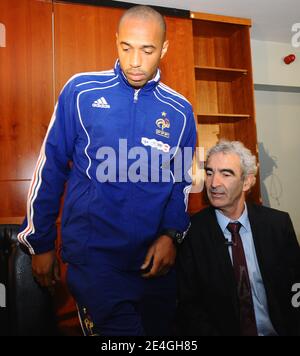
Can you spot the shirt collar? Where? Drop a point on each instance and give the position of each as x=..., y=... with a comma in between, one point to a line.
x=223, y=220
x=150, y=85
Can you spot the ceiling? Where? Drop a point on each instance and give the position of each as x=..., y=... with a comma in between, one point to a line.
x=272, y=19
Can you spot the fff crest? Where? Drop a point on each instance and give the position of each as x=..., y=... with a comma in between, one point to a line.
x=163, y=123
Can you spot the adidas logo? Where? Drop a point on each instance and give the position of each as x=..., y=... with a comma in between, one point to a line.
x=101, y=103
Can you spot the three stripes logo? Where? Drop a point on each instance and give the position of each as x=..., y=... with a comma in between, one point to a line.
x=101, y=103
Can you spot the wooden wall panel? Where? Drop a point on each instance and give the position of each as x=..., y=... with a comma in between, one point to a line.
x=26, y=92
x=85, y=41
x=178, y=65
x=13, y=195
x=84, y=38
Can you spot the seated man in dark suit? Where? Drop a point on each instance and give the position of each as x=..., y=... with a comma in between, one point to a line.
x=237, y=266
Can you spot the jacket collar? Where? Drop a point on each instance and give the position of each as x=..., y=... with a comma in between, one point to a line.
x=223, y=220
x=149, y=86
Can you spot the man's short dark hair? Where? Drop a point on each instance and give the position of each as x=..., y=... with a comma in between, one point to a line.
x=146, y=13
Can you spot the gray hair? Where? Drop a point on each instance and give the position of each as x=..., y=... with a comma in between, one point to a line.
x=248, y=160
x=145, y=12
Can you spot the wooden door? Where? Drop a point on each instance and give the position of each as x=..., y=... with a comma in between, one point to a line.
x=26, y=98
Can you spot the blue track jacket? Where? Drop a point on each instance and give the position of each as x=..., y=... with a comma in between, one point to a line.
x=102, y=132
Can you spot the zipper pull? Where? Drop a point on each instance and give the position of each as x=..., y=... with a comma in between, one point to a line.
x=136, y=94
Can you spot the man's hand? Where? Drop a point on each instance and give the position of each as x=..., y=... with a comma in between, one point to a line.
x=45, y=269
x=162, y=254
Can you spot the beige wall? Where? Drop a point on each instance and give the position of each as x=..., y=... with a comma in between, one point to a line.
x=268, y=65
x=278, y=126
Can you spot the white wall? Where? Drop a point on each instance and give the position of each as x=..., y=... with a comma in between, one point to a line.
x=268, y=65
x=278, y=127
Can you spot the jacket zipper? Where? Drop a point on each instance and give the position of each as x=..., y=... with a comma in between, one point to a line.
x=131, y=144
x=136, y=95
x=133, y=114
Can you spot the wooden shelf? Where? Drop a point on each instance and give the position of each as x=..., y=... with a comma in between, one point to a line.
x=223, y=84
x=221, y=45
x=219, y=73
x=245, y=116
x=212, y=118
x=220, y=19
x=240, y=71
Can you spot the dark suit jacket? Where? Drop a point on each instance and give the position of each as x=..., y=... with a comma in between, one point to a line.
x=208, y=302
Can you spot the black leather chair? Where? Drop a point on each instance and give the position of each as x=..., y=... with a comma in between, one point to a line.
x=29, y=309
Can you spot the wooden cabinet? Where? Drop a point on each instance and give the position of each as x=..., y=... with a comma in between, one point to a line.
x=26, y=98
x=224, y=104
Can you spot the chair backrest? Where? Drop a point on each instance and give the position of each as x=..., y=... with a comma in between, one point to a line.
x=4, y=321
x=29, y=309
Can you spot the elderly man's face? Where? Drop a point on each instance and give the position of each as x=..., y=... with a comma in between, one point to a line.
x=225, y=184
x=140, y=47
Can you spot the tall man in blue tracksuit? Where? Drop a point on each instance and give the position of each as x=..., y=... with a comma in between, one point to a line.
x=124, y=132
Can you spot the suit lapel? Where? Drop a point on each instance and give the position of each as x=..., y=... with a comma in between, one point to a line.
x=262, y=243
x=227, y=278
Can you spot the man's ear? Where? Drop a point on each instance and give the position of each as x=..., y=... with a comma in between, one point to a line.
x=164, y=49
x=117, y=37
x=249, y=182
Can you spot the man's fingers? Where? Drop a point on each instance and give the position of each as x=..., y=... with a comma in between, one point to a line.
x=38, y=277
x=156, y=267
x=45, y=279
x=48, y=281
x=56, y=271
x=163, y=271
x=163, y=253
x=148, y=259
x=45, y=269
